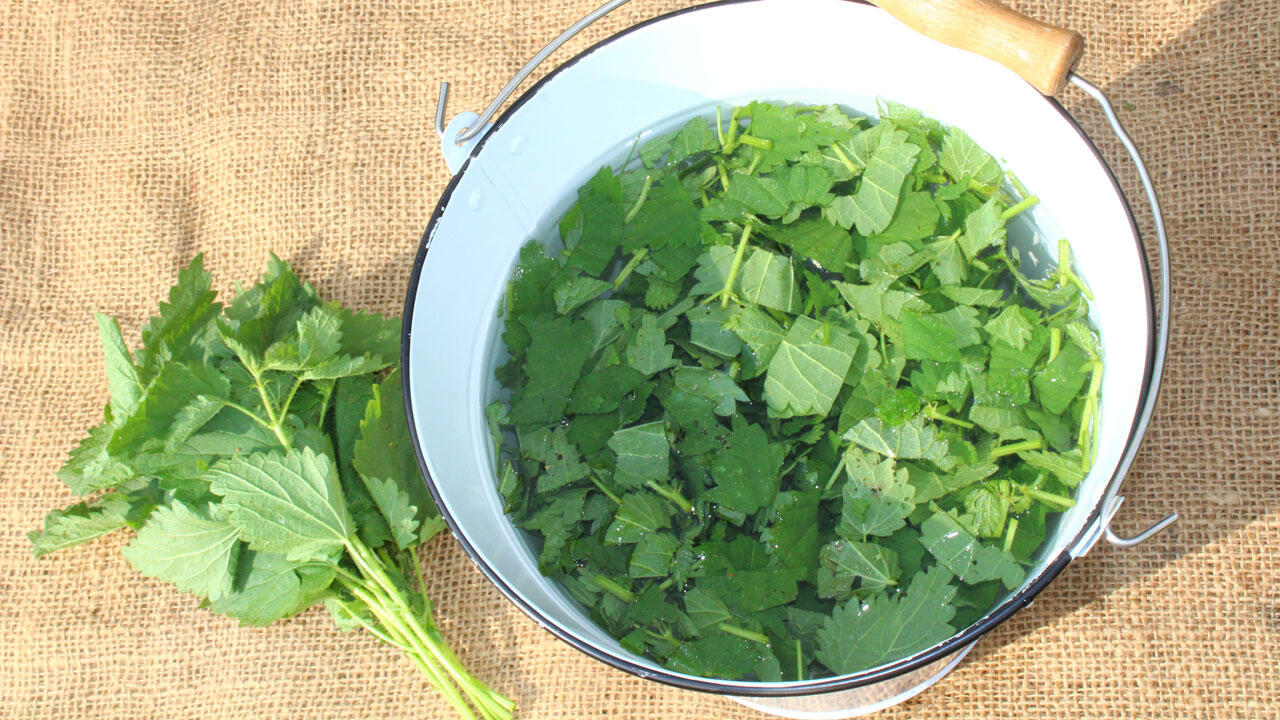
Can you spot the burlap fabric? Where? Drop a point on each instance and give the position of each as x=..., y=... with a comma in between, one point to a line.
x=136, y=134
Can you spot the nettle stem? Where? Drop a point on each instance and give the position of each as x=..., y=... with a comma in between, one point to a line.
x=736, y=266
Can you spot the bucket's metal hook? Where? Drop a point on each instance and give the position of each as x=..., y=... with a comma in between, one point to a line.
x=1143, y=536
x=476, y=127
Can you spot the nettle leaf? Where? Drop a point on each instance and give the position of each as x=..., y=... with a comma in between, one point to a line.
x=939, y=336
x=286, y=502
x=1069, y=467
x=561, y=462
x=122, y=377
x=878, y=305
x=751, y=195
x=1058, y=384
x=1014, y=325
x=768, y=279
x=790, y=131
x=877, y=498
x=962, y=158
x=861, y=635
x=723, y=656
x=872, y=206
x=830, y=246
x=842, y=562
x=761, y=333
x=173, y=389
x=694, y=137
x=193, y=548
x=603, y=211
x=559, y=349
x=915, y=219
x=80, y=523
x=746, y=471
x=983, y=228
x=650, y=353
x=269, y=587
x=383, y=456
x=808, y=369
x=186, y=316
x=793, y=535
x=707, y=330
x=643, y=453
x=956, y=548
x=705, y=608
x=652, y=556
x=574, y=292
x=641, y=514
x=667, y=217
x=912, y=440
x=713, y=385
x=91, y=466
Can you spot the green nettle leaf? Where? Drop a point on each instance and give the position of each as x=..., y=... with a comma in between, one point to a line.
x=747, y=471
x=667, y=217
x=559, y=349
x=912, y=440
x=962, y=159
x=694, y=137
x=642, y=454
x=173, y=389
x=80, y=523
x=723, y=656
x=603, y=211
x=187, y=314
x=269, y=587
x=768, y=279
x=877, y=498
x=763, y=196
x=828, y=245
x=983, y=228
x=91, y=466
x=704, y=608
x=383, y=456
x=872, y=207
x=650, y=353
x=793, y=537
x=122, y=376
x=1068, y=467
x=193, y=548
x=1014, y=325
x=960, y=552
x=191, y=418
x=842, y=562
x=576, y=291
x=761, y=333
x=707, y=330
x=939, y=336
x=641, y=514
x=808, y=369
x=861, y=635
x=652, y=556
x=561, y=462
x=791, y=133
x=1059, y=383
x=712, y=385
x=285, y=502
x=915, y=220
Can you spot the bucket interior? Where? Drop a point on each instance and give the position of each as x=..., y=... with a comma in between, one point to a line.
x=525, y=173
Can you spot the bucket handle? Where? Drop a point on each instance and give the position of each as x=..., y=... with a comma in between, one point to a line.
x=1041, y=54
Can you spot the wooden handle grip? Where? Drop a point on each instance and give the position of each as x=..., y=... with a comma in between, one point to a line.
x=1042, y=54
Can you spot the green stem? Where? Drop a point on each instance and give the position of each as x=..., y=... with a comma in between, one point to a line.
x=736, y=266
x=671, y=494
x=719, y=124
x=418, y=654
x=614, y=589
x=1003, y=450
x=799, y=661
x=844, y=159
x=288, y=399
x=1055, y=342
x=831, y=481
x=1052, y=499
x=635, y=260
x=756, y=142
x=932, y=413
x=644, y=195
x=1009, y=533
x=251, y=414
x=724, y=176
x=600, y=484
x=1026, y=203
x=276, y=426
x=744, y=633
x=429, y=639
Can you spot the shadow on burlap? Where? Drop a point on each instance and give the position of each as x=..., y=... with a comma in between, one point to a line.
x=134, y=136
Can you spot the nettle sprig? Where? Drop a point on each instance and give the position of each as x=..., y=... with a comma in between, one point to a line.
x=261, y=453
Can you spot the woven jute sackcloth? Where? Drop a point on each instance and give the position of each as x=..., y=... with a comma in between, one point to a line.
x=136, y=134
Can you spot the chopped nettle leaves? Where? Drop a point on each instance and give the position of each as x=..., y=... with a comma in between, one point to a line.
x=787, y=402
x=262, y=453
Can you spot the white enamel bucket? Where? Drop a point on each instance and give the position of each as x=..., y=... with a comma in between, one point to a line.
x=513, y=179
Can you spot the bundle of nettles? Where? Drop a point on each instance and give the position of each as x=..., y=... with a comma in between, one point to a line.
x=261, y=452
x=786, y=405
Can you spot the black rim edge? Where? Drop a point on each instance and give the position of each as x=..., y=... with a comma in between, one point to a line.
x=966, y=637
